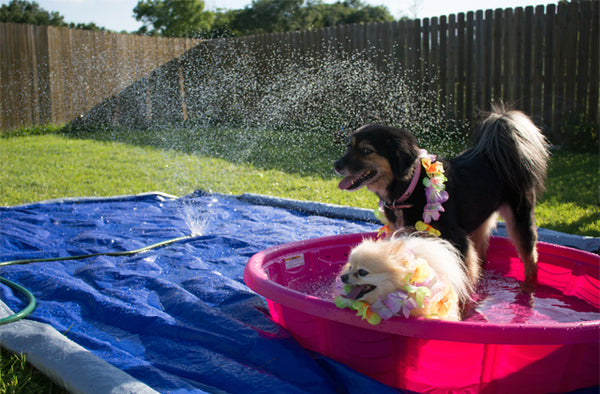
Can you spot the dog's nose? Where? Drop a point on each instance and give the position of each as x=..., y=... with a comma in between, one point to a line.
x=344, y=278
x=337, y=166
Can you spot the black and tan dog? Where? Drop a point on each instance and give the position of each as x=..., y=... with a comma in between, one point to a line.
x=502, y=173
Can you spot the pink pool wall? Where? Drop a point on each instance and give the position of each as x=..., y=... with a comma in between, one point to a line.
x=434, y=356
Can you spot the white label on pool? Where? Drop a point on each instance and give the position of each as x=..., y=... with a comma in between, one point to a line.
x=294, y=261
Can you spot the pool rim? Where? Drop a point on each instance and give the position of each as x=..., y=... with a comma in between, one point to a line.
x=256, y=278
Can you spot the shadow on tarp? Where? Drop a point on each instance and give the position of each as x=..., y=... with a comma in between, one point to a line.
x=176, y=319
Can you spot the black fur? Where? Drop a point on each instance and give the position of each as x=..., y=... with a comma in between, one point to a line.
x=504, y=171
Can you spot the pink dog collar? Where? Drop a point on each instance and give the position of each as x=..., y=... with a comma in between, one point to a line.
x=397, y=203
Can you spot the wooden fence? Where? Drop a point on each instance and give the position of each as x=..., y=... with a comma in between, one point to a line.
x=55, y=74
x=542, y=60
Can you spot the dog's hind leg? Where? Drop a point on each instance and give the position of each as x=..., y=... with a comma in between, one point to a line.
x=473, y=268
x=481, y=237
x=472, y=264
x=520, y=226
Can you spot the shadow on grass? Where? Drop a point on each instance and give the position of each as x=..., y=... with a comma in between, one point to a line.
x=573, y=177
x=571, y=188
x=583, y=225
x=307, y=153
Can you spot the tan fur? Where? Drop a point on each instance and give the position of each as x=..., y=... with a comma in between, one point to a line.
x=385, y=175
x=373, y=162
x=528, y=257
x=386, y=262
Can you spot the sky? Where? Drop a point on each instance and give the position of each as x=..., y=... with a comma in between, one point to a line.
x=117, y=15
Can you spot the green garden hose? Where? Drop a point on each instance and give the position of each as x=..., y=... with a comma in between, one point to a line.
x=25, y=311
x=31, y=299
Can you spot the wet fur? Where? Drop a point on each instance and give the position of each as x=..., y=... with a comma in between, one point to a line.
x=386, y=264
x=502, y=173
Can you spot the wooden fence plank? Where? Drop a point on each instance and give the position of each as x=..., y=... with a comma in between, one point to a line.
x=583, y=57
x=560, y=47
x=508, y=71
x=527, y=52
x=538, y=65
x=496, y=54
x=479, y=60
x=514, y=53
x=33, y=81
x=434, y=56
x=5, y=68
x=469, y=62
x=425, y=47
x=401, y=34
x=548, y=67
x=61, y=40
x=488, y=51
x=415, y=44
x=443, y=61
x=451, y=57
x=12, y=75
x=593, y=102
x=460, y=69
x=571, y=42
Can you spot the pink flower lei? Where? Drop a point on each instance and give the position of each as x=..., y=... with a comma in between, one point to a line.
x=435, y=192
x=422, y=289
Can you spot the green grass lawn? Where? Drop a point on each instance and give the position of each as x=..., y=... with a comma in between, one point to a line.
x=294, y=165
x=17, y=376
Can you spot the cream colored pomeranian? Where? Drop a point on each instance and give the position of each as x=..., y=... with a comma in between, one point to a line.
x=407, y=275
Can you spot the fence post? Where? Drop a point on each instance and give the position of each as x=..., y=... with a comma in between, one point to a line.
x=583, y=57
x=469, y=72
x=443, y=62
x=538, y=65
x=460, y=69
x=451, y=68
x=593, y=108
x=496, y=54
x=434, y=58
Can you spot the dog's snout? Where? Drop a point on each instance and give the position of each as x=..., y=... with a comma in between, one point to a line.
x=338, y=165
x=344, y=278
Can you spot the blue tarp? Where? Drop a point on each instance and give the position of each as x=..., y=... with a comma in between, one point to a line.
x=178, y=318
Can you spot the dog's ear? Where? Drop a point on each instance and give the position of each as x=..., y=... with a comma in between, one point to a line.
x=397, y=247
x=406, y=152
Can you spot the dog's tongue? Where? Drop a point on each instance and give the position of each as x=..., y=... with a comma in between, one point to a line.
x=355, y=292
x=346, y=183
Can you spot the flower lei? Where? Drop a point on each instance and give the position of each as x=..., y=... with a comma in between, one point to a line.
x=422, y=292
x=435, y=194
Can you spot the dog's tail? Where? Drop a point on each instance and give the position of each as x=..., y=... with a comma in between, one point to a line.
x=516, y=148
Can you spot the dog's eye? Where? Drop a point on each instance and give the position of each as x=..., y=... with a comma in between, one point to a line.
x=366, y=151
x=362, y=273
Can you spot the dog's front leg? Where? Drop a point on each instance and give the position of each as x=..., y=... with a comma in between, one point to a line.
x=395, y=218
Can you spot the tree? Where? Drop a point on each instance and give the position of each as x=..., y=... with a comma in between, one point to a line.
x=223, y=24
x=173, y=18
x=271, y=16
x=22, y=11
x=317, y=14
x=267, y=16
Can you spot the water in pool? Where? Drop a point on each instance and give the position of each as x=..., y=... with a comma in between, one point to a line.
x=498, y=300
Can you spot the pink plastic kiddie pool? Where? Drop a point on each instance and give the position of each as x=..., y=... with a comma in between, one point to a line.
x=506, y=347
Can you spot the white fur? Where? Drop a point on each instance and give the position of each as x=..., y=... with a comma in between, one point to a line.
x=386, y=262
x=444, y=259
